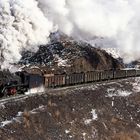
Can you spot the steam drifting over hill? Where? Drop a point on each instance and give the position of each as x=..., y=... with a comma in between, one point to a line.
x=24, y=25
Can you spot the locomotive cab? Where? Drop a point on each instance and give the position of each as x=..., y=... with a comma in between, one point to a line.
x=31, y=80
x=10, y=83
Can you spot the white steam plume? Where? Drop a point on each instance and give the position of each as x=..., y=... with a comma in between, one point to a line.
x=117, y=20
x=25, y=24
x=22, y=27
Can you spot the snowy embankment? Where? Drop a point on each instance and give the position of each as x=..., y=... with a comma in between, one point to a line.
x=112, y=92
x=92, y=111
x=136, y=85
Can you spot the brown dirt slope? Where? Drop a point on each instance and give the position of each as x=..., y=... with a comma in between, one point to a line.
x=80, y=113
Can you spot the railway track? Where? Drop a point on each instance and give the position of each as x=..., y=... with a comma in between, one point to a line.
x=54, y=91
x=18, y=97
x=12, y=98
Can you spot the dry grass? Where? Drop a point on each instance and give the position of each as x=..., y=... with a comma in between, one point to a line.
x=126, y=136
x=51, y=104
x=26, y=118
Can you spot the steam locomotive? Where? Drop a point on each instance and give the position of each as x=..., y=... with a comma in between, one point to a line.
x=18, y=83
x=21, y=82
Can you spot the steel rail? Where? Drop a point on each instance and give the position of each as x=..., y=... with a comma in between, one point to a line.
x=18, y=97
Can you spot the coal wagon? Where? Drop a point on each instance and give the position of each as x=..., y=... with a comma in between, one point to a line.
x=119, y=74
x=75, y=78
x=92, y=76
x=131, y=73
x=106, y=75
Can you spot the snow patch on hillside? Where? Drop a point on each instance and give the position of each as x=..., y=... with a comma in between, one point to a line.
x=10, y=121
x=123, y=93
x=113, y=51
x=4, y=123
x=61, y=62
x=136, y=85
x=94, y=117
x=117, y=93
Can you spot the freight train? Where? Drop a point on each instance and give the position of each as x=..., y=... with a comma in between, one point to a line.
x=20, y=82
x=59, y=80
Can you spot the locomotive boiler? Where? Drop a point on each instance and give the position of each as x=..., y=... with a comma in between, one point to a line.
x=18, y=83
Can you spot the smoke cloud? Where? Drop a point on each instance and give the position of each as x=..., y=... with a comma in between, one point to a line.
x=117, y=20
x=22, y=27
x=27, y=24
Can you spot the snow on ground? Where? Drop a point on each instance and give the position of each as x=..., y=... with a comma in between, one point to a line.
x=136, y=85
x=94, y=117
x=19, y=115
x=40, y=108
x=90, y=87
x=4, y=123
x=61, y=62
x=112, y=92
x=138, y=125
x=14, y=119
x=84, y=135
x=67, y=131
x=87, y=121
x=113, y=51
x=2, y=106
x=123, y=93
x=120, y=93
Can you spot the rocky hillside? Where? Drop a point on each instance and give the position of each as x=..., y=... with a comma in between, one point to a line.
x=72, y=56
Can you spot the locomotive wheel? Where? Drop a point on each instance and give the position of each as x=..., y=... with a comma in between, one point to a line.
x=13, y=91
x=21, y=92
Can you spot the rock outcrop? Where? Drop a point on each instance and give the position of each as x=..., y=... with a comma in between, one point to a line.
x=68, y=55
